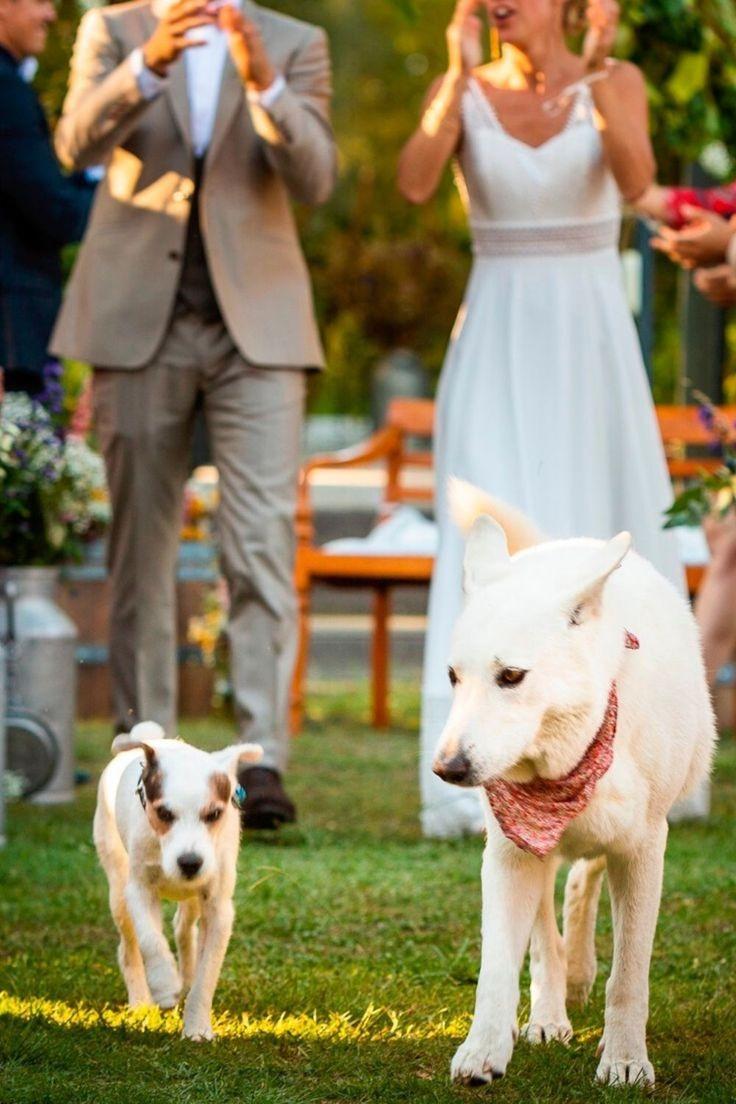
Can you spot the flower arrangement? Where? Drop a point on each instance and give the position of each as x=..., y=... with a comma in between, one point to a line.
x=710, y=493
x=201, y=498
x=52, y=487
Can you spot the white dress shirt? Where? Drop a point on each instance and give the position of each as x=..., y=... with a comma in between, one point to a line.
x=204, y=68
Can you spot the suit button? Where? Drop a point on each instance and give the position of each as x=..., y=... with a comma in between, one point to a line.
x=174, y=255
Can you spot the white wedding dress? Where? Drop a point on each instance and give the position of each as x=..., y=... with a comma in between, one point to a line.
x=543, y=399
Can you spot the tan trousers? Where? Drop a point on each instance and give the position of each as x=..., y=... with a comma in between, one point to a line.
x=144, y=420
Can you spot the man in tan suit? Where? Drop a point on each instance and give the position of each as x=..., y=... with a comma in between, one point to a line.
x=191, y=288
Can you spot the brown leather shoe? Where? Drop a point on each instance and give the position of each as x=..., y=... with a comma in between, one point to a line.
x=266, y=803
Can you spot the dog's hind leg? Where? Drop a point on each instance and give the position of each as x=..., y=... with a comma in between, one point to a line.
x=130, y=959
x=548, y=1018
x=582, y=891
x=635, y=883
x=114, y=860
x=185, y=932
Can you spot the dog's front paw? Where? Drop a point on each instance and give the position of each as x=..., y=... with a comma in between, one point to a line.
x=547, y=1031
x=199, y=1031
x=476, y=1063
x=625, y=1071
x=165, y=987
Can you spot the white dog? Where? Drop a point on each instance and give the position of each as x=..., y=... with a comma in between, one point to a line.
x=581, y=711
x=165, y=826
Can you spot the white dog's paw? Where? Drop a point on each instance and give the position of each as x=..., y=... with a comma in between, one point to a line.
x=547, y=1031
x=625, y=1071
x=165, y=988
x=580, y=982
x=198, y=1031
x=477, y=1063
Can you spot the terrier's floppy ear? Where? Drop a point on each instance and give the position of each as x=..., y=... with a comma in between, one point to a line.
x=126, y=743
x=144, y=736
x=597, y=572
x=486, y=554
x=230, y=758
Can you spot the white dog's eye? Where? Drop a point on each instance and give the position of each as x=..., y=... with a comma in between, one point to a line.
x=452, y=673
x=510, y=676
x=212, y=816
x=165, y=815
x=575, y=616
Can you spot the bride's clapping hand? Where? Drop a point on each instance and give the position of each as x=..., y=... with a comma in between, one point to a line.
x=602, y=17
x=463, y=38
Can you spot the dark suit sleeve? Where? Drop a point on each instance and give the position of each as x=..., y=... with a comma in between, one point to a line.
x=31, y=182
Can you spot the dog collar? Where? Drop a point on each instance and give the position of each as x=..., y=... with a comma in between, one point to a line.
x=141, y=790
x=534, y=815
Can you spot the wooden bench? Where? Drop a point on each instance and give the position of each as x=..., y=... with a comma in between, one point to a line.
x=394, y=447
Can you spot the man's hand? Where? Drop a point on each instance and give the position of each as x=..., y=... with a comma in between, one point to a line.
x=246, y=49
x=717, y=284
x=170, y=39
x=700, y=244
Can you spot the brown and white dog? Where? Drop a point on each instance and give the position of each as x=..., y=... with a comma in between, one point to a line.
x=165, y=826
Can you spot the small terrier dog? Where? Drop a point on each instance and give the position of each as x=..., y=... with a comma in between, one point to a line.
x=581, y=712
x=166, y=826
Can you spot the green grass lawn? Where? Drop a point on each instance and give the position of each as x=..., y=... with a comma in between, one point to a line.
x=350, y=976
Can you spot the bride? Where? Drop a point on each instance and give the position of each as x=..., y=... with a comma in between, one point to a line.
x=543, y=399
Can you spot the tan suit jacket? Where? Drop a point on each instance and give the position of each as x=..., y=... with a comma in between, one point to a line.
x=123, y=286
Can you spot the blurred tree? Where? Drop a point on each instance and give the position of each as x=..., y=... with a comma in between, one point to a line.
x=386, y=273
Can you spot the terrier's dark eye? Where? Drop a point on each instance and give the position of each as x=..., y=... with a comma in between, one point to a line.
x=575, y=616
x=165, y=815
x=453, y=676
x=510, y=676
x=212, y=816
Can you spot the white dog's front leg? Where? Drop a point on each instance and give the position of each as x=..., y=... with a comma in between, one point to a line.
x=185, y=932
x=512, y=884
x=548, y=1017
x=145, y=912
x=635, y=883
x=217, y=918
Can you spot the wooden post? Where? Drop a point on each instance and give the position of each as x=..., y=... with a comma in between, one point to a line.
x=380, y=656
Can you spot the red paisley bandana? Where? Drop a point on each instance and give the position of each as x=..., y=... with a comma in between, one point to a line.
x=533, y=815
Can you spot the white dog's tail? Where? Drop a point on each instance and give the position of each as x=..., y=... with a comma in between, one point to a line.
x=468, y=503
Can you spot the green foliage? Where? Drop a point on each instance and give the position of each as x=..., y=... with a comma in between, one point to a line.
x=386, y=273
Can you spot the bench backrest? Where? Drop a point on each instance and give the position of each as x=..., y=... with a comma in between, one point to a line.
x=685, y=438
x=687, y=441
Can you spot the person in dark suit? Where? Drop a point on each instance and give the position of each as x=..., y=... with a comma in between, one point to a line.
x=40, y=208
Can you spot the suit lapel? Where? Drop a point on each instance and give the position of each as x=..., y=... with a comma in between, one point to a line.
x=232, y=91
x=178, y=97
x=231, y=98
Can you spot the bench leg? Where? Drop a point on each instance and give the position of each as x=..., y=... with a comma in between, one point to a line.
x=296, y=712
x=380, y=656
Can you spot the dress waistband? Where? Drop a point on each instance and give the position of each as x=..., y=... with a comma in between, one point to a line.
x=490, y=240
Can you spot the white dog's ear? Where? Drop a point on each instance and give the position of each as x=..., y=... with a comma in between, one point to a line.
x=597, y=572
x=486, y=554
x=230, y=758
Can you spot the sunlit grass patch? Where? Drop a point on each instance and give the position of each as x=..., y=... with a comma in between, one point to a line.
x=374, y=1026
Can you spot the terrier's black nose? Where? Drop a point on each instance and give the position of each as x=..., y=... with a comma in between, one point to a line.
x=454, y=770
x=189, y=864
